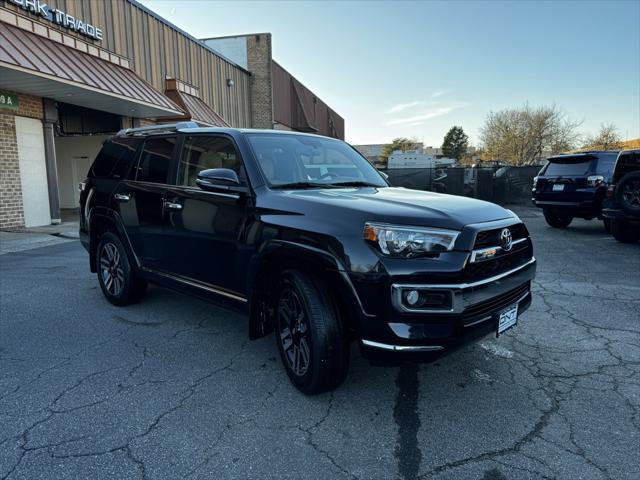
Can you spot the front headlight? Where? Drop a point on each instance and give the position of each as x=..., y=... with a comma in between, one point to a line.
x=407, y=241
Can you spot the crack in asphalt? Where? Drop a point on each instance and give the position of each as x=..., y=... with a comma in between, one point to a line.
x=186, y=393
x=556, y=389
x=554, y=432
x=309, y=437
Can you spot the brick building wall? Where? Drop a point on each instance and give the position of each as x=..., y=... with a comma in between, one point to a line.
x=259, y=63
x=11, y=210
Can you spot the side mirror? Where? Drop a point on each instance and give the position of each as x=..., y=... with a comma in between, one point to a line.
x=219, y=179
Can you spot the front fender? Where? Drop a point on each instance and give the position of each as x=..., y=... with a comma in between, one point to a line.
x=275, y=256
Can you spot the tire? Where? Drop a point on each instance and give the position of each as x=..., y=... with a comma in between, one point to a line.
x=557, y=220
x=623, y=232
x=628, y=193
x=306, y=320
x=119, y=283
x=606, y=222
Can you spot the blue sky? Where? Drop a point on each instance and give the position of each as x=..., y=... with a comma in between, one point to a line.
x=417, y=68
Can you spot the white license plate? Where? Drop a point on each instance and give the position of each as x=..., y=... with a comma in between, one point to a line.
x=507, y=318
x=558, y=187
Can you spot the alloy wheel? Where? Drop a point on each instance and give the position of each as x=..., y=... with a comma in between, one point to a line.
x=293, y=328
x=111, y=269
x=631, y=193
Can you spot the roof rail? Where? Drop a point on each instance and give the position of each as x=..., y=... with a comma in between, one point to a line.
x=168, y=127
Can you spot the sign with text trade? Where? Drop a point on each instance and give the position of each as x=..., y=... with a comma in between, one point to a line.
x=9, y=100
x=59, y=17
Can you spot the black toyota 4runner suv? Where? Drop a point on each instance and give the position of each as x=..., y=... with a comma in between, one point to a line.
x=573, y=185
x=306, y=236
x=622, y=205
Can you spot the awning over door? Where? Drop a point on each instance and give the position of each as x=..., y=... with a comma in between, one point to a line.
x=195, y=108
x=39, y=66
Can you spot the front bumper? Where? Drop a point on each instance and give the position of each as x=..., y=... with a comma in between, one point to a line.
x=473, y=313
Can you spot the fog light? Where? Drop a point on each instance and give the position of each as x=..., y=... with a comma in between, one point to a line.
x=415, y=299
x=412, y=297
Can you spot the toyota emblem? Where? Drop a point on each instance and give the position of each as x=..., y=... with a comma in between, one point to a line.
x=506, y=239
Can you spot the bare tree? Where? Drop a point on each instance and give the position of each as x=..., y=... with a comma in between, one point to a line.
x=607, y=138
x=525, y=136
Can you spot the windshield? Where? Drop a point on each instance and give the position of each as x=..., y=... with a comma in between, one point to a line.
x=303, y=161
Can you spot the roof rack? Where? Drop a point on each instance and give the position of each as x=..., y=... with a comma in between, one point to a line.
x=168, y=127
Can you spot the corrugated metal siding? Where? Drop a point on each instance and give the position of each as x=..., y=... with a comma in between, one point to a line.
x=297, y=107
x=282, y=95
x=133, y=32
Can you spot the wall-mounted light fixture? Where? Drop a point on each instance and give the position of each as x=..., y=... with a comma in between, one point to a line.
x=230, y=82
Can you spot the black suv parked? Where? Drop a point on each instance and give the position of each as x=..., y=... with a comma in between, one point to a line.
x=573, y=185
x=306, y=236
x=622, y=206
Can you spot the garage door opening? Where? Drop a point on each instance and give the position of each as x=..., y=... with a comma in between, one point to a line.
x=81, y=133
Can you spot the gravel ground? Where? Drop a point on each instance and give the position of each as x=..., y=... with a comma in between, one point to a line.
x=172, y=388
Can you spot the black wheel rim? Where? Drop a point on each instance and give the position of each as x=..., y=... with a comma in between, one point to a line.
x=111, y=269
x=293, y=328
x=631, y=193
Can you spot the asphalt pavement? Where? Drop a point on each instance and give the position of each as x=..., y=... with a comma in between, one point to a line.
x=172, y=388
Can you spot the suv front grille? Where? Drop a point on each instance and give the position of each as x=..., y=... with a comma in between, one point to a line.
x=491, y=238
x=498, y=265
x=486, y=308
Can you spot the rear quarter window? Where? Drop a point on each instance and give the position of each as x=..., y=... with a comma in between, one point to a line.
x=627, y=162
x=115, y=158
x=606, y=163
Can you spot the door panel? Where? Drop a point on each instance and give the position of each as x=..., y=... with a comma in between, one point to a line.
x=205, y=228
x=141, y=210
x=203, y=236
x=33, y=172
x=140, y=201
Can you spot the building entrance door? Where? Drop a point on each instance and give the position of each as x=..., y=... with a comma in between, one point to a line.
x=33, y=172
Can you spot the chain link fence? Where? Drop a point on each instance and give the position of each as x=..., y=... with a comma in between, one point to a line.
x=496, y=184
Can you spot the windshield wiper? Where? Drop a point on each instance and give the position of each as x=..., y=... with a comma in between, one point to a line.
x=301, y=185
x=356, y=183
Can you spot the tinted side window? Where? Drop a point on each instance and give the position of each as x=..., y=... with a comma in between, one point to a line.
x=155, y=160
x=115, y=158
x=605, y=164
x=204, y=152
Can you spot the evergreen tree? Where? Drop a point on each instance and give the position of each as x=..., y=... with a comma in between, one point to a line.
x=455, y=143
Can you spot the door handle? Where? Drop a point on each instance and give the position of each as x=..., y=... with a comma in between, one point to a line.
x=172, y=206
x=122, y=197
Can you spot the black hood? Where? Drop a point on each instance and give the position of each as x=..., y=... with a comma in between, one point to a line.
x=388, y=205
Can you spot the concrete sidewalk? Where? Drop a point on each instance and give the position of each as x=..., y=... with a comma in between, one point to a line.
x=35, y=237
x=11, y=242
